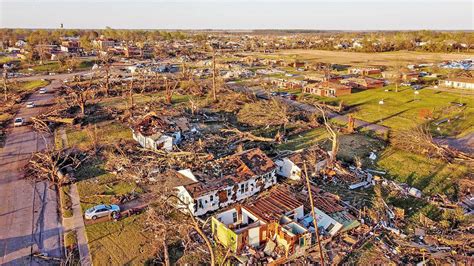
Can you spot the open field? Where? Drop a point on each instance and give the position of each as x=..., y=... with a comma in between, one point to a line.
x=365, y=59
x=401, y=110
x=107, y=133
x=429, y=175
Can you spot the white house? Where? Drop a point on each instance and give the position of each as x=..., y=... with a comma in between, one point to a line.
x=459, y=83
x=227, y=181
x=157, y=133
x=291, y=167
x=288, y=169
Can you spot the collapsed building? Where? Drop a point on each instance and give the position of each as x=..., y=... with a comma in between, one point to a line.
x=280, y=223
x=159, y=133
x=271, y=221
x=226, y=181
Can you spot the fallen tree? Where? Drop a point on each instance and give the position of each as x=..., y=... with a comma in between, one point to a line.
x=54, y=165
x=419, y=140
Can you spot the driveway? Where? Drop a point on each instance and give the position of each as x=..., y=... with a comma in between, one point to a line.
x=29, y=219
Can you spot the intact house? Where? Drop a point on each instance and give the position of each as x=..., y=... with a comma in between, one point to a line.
x=291, y=167
x=226, y=181
x=271, y=220
x=364, y=83
x=459, y=83
x=159, y=133
x=327, y=89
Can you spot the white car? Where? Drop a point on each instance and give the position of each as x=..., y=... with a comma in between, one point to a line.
x=101, y=211
x=42, y=90
x=30, y=105
x=19, y=121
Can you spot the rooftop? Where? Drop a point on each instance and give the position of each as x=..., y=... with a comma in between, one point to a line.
x=274, y=205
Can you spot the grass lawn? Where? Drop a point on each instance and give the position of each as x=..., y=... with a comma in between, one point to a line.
x=429, y=175
x=108, y=133
x=30, y=85
x=47, y=67
x=401, y=110
x=121, y=243
x=103, y=188
x=304, y=140
x=6, y=59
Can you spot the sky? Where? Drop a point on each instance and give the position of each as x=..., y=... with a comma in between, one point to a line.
x=240, y=14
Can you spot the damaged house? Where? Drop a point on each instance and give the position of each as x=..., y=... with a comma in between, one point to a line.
x=159, y=133
x=332, y=216
x=291, y=167
x=226, y=181
x=270, y=220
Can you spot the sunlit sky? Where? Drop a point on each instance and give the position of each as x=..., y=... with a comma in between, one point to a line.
x=240, y=14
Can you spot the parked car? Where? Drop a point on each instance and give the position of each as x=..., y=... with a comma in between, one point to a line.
x=42, y=90
x=101, y=211
x=30, y=104
x=18, y=122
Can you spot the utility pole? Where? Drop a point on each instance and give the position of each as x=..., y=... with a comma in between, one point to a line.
x=214, y=89
x=315, y=221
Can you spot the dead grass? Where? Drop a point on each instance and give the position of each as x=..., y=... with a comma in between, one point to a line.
x=121, y=243
x=364, y=59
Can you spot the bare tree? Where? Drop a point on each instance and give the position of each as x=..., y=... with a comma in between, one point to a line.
x=106, y=61
x=81, y=95
x=334, y=137
x=5, y=87
x=170, y=87
x=95, y=136
x=214, y=85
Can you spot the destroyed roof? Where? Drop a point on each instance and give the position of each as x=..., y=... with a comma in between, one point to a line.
x=247, y=164
x=154, y=125
x=311, y=155
x=229, y=171
x=325, y=201
x=274, y=205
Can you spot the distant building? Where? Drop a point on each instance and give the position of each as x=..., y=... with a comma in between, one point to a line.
x=363, y=83
x=327, y=89
x=103, y=44
x=364, y=71
x=70, y=45
x=459, y=83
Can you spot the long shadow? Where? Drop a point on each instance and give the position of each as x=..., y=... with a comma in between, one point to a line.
x=395, y=114
x=14, y=244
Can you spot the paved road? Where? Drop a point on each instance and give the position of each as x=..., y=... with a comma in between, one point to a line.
x=29, y=219
x=311, y=109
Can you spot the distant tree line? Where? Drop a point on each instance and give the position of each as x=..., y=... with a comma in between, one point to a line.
x=377, y=41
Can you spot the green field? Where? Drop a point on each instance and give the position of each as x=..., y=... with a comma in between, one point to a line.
x=29, y=85
x=107, y=132
x=429, y=175
x=401, y=110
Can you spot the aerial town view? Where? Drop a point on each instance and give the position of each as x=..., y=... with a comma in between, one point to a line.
x=236, y=132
